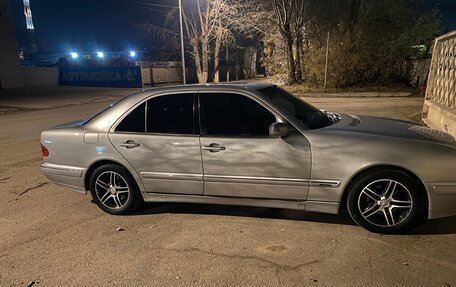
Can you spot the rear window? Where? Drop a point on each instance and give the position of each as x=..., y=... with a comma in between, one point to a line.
x=135, y=121
x=104, y=110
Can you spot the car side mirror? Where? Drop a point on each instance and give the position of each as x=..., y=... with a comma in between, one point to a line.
x=279, y=130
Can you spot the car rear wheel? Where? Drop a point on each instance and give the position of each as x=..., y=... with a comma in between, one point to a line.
x=114, y=190
x=386, y=201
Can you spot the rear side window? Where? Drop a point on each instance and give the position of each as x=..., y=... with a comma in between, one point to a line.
x=172, y=114
x=135, y=121
x=236, y=115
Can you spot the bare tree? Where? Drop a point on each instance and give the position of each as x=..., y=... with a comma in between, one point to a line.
x=206, y=26
x=291, y=19
x=284, y=11
x=199, y=27
x=223, y=33
x=299, y=23
x=253, y=19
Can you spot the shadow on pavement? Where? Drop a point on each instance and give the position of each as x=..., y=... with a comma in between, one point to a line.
x=243, y=211
x=435, y=226
x=445, y=225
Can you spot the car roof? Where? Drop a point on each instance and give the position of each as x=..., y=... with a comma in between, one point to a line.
x=237, y=85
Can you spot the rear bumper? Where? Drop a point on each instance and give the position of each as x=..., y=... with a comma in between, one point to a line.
x=69, y=177
x=442, y=199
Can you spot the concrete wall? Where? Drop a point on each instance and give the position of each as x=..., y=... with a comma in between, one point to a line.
x=10, y=72
x=439, y=109
x=40, y=76
x=439, y=117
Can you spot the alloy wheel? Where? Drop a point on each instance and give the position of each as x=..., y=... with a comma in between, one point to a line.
x=385, y=202
x=112, y=190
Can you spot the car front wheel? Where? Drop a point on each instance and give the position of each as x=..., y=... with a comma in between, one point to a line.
x=386, y=201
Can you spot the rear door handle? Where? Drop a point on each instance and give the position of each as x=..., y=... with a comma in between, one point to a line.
x=129, y=144
x=213, y=147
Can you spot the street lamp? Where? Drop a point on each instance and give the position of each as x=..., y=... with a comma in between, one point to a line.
x=74, y=55
x=100, y=54
x=132, y=54
x=184, y=80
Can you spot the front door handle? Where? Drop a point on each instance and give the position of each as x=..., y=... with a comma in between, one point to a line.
x=129, y=144
x=213, y=147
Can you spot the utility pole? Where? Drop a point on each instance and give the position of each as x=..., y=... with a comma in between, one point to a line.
x=184, y=80
x=326, y=64
x=227, y=67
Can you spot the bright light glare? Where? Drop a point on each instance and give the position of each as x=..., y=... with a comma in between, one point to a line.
x=74, y=55
x=100, y=54
x=132, y=54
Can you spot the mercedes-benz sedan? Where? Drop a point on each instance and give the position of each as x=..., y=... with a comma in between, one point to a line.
x=255, y=145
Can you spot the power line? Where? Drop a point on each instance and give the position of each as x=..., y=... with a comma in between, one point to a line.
x=156, y=5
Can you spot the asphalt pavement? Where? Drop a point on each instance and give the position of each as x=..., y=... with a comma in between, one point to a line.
x=53, y=237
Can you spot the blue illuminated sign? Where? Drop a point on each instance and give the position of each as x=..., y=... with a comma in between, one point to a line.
x=101, y=76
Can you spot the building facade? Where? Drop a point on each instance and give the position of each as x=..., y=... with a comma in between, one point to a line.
x=10, y=65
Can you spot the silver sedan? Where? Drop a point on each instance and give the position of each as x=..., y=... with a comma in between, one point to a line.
x=254, y=145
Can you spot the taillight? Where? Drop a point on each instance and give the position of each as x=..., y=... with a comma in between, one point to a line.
x=44, y=151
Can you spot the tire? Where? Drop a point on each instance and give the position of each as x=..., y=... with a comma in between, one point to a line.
x=114, y=190
x=386, y=200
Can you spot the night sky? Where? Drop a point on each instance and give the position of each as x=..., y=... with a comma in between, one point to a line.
x=87, y=25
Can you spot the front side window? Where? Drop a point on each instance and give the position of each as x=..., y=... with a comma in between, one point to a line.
x=171, y=114
x=234, y=115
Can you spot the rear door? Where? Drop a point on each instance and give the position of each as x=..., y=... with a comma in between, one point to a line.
x=160, y=139
x=240, y=159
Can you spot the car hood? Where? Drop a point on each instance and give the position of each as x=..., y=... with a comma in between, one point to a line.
x=391, y=128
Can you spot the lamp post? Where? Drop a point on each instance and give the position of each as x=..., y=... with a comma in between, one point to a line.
x=184, y=80
x=326, y=62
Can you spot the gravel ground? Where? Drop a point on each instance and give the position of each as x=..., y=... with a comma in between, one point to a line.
x=53, y=237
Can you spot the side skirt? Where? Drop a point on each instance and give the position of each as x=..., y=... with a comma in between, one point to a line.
x=314, y=206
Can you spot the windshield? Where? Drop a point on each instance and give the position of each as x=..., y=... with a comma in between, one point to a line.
x=307, y=114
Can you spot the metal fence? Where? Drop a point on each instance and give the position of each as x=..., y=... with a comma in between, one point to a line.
x=160, y=73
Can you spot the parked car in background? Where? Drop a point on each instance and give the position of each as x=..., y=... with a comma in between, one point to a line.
x=254, y=145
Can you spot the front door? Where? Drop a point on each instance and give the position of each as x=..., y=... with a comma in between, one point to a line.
x=240, y=159
x=160, y=139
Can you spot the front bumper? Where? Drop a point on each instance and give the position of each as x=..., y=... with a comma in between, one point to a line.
x=442, y=199
x=69, y=177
